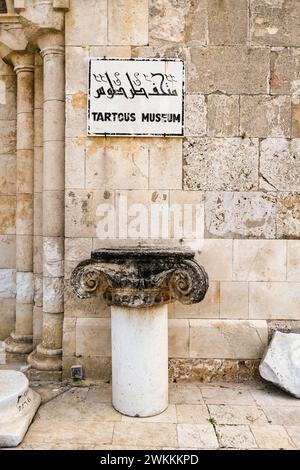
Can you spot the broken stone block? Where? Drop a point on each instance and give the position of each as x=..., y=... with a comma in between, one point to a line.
x=18, y=405
x=281, y=363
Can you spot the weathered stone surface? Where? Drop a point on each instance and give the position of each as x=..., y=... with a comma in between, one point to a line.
x=275, y=23
x=236, y=437
x=293, y=260
x=220, y=250
x=93, y=337
x=7, y=251
x=8, y=136
x=208, y=308
x=7, y=283
x=165, y=164
x=281, y=363
x=196, y=24
x=86, y=23
x=195, y=115
x=7, y=174
x=128, y=22
x=18, y=405
x=295, y=116
x=240, y=215
x=201, y=436
x=265, y=116
x=288, y=215
x=167, y=20
x=76, y=59
x=272, y=437
x=214, y=370
x=7, y=315
x=274, y=300
x=227, y=21
x=232, y=70
x=228, y=339
x=223, y=115
x=237, y=414
x=179, y=335
x=285, y=70
x=259, y=260
x=8, y=97
x=234, y=300
x=150, y=277
x=75, y=163
x=280, y=165
x=76, y=121
x=213, y=164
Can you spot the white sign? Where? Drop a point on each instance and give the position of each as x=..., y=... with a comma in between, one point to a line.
x=136, y=97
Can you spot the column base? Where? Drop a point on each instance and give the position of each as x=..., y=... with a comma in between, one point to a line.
x=18, y=344
x=140, y=360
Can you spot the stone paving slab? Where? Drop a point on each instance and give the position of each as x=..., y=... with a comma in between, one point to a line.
x=200, y=416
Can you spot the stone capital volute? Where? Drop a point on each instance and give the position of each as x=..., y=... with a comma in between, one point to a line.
x=141, y=277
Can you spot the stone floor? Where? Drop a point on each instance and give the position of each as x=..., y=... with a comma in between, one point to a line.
x=200, y=416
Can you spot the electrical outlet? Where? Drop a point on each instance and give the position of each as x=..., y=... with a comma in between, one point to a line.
x=76, y=372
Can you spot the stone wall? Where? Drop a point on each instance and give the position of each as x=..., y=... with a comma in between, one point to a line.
x=7, y=198
x=239, y=160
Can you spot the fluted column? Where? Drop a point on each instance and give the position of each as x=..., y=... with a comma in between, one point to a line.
x=20, y=341
x=47, y=356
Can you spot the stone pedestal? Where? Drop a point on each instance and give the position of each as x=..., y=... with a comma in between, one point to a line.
x=138, y=283
x=18, y=405
x=139, y=360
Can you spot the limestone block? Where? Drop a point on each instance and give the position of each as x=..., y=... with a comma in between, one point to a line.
x=38, y=254
x=265, y=116
x=275, y=23
x=216, y=256
x=280, y=164
x=38, y=214
x=76, y=117
x=23, y=318
x=195, y=115
x=105, y=157
x=234, y=300
x=93, y=337
x=52, y=331
x=165, y=164
x=37, y=321
x=230, y=339
x=7, y=315
x=288, y=219
x=69, y=336
x=167, y=21
x=24, y=174
x=196, y=23
x=75, y=163
x=76, y=249
x=76, y=69
x=6, y=69
x=38, y=127
x=227, y=22
x=8, y=136
x=293, y=260
x=230, y=70
x=93, y=307
x=208, y=308
x=8, y=174
x=18, y=405
x=8, y=92
x=24, y=214
x=259, y=260
x=53, y=295
x=160, y=51
x=127, y=22
x=223, y=115
x=7, y=283
x=81, y=207
x=274, y=300
x=24, y=287
x=281, y=363
x=38, y=169
x=7, y=251
x=38, y=290
x=55, y=129
x=241, y=215
x=220, y=164
x=53, y=256
x=295, y=116
x=110, y=52
x=86, y=23
x=285, y=71
x=179, y=335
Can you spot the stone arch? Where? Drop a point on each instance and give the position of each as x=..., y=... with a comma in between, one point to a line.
x=7, y=6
